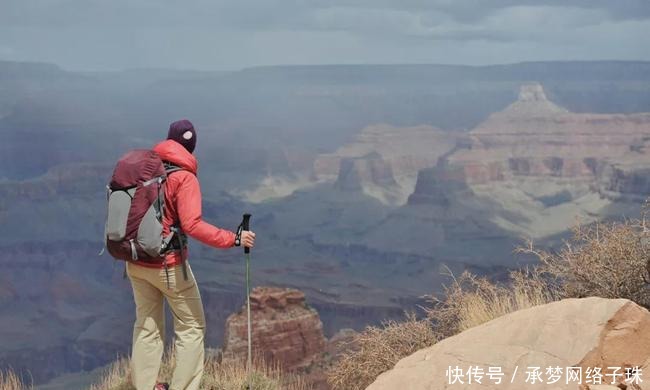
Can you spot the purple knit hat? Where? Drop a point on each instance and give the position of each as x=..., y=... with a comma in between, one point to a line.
x=183, y=132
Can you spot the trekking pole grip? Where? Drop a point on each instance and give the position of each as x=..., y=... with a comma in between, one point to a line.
x=246, y=226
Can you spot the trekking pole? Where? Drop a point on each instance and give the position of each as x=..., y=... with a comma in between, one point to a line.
x=247, y=253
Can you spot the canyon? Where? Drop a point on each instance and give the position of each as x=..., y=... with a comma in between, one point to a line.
x=531, y=169
x=365, y=191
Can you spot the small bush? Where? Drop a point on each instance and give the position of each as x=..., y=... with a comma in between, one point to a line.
x=226, y=375
x=471, y=301
x=377, y=349
x=10, y=381
x=603, y=260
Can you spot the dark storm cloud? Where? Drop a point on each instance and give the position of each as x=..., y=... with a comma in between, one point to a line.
x=475, y=10
x=275, y=14
x=236, y=33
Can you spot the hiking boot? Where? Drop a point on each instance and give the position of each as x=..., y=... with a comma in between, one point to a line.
x=161, y=386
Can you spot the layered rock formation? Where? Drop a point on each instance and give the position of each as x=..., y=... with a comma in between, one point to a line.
x=531, y=169
x=285, y=329
x=544, y=166
x=61, y=180
x=533, y=137
x=580, y=336
x=54, y=320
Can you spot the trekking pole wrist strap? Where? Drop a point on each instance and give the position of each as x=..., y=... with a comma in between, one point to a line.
x=240, y=228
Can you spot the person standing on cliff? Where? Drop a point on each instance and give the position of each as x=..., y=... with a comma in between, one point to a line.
x=174, y=281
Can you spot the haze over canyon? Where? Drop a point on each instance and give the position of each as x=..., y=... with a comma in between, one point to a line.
x=366, y=183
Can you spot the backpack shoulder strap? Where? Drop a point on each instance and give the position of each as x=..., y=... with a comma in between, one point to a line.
x=176, y=232
x=171, y=168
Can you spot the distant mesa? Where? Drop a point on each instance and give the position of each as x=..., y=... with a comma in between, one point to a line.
x=371, y=169
x=384, y=160
x=440, y=186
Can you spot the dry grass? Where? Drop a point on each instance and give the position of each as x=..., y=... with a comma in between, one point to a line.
x=603, y=260
x=116, y=377
x=226, y=375
x=606, y=260
x=471, y=301
x=377, y=349
x=231, y=375
x=468, y=302
x=10, y=381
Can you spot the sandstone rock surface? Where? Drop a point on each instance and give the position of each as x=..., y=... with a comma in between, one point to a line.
x=285, y=329
x=587, y=333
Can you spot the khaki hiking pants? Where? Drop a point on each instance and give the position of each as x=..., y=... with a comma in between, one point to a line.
x=149, y=291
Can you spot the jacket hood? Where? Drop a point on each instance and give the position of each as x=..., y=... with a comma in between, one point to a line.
x=175, y=153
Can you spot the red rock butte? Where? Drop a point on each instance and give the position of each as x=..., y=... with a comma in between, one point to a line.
x=285, y=330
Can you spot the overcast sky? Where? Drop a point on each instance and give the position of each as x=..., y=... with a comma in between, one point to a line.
x=233, y=34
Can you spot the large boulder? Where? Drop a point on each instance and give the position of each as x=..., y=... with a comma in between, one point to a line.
x=589, y=334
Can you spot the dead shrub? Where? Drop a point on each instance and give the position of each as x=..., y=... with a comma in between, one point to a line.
x=609, y=260
x=116, y=377
x=471, y=300
x=10, y=381
x=377, y=349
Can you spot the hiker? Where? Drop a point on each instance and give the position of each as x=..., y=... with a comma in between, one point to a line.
x=174, y=281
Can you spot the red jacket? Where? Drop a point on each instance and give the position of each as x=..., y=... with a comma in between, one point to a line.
x=183, y=203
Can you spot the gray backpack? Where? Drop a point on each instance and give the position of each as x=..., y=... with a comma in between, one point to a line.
x=136, y=207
